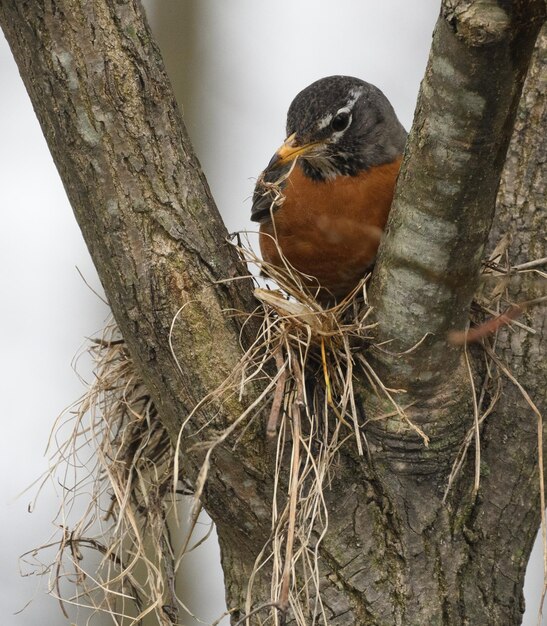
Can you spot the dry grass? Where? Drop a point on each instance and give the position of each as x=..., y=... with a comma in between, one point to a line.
x=312, y=414
x=134, y=483
x=493, y=301
x=310, y=403
x=111, y=454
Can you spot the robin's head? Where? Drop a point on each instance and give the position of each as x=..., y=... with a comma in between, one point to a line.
x=340, y=125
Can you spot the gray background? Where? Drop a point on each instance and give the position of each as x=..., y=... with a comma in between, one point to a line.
x=238, y=64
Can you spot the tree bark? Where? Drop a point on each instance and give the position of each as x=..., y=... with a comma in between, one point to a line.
x=394, y=552
x=510, y=497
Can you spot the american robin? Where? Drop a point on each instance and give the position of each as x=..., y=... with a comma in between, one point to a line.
x=324, y=198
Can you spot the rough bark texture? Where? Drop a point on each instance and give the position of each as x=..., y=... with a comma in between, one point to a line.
x=505, y=520
x=394, y=553
x=441, y=215
x=104, y=102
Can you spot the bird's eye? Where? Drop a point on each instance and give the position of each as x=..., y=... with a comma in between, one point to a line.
x=341, y=121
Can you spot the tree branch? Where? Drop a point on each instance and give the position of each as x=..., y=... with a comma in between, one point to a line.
x=105, y=105
x=97, y=84
x=429, y=261
x=510, y=490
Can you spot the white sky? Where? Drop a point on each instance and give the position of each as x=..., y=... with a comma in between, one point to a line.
x=253, y=57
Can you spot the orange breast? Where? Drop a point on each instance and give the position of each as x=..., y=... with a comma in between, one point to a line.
x=331, y=230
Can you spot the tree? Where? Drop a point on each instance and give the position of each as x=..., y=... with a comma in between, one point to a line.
x=397, y=551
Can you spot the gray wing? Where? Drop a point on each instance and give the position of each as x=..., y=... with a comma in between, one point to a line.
x=268, y=193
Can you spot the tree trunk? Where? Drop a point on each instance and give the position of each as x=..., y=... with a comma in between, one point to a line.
x=395, y=551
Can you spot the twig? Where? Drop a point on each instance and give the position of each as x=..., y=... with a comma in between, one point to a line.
x=277, y=401
x=476, y=483
x=267, y=605
x=530, y=264
x=293, y=491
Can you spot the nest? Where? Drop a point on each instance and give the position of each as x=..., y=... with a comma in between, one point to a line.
x=112, y=454
x=132, y=482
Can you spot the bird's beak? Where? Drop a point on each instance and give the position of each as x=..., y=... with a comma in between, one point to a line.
x=289, y=151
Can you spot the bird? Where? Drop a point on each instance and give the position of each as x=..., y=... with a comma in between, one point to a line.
x=323, y=200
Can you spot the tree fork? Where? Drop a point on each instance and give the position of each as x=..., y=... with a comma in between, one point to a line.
x=394, y=553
